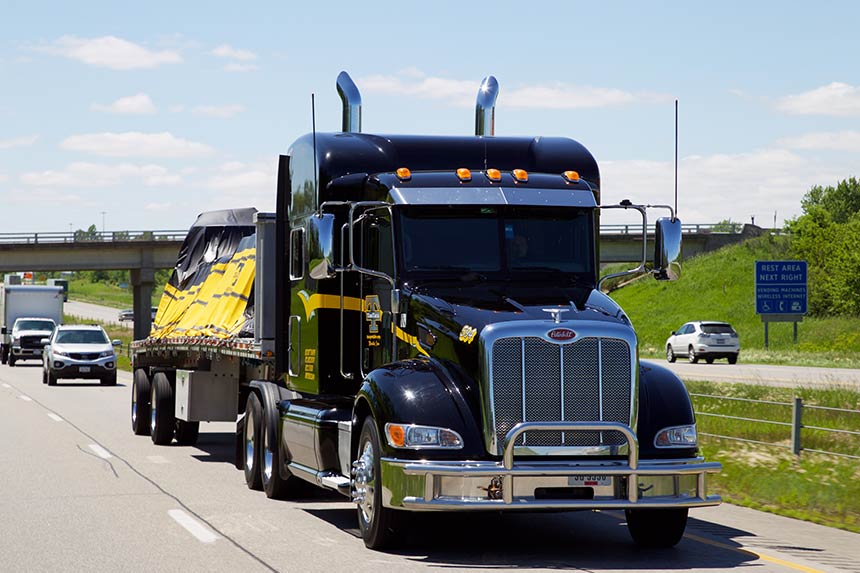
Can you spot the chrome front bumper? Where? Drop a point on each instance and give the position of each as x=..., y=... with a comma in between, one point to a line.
x=466, y=485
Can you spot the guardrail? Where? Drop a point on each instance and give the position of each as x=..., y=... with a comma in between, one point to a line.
x=51, y=237
x=795, y=424
x=636, y=229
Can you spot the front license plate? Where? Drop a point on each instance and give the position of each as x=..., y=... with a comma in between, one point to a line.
x=589, y=481
x=84, y=369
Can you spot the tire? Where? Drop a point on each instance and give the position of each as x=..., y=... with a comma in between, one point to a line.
x=4, y=355
x=656, y=527
x=141, y=390
x=670, y=354
x=251, y=442
x=274, y=485
x=162, y=424
x=733, y=359
x=52, y=379
x=187, y=432
x=44, y=376
x=380, y=526
x=691, y=356
x=11, y=360
x=709, y=360
x=110, y=380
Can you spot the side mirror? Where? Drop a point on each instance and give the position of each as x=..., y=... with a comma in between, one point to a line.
x=672, y=333
x=320, y=235
x=667, y=249
x=116, y=342
x=3, y=330
x=44, y=341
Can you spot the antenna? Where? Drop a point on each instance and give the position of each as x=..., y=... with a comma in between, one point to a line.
x=676, y=158
x=314, y=128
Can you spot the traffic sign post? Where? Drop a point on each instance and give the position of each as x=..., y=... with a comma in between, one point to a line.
x=780, y=293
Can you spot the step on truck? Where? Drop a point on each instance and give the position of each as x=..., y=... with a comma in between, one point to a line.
x=419, y=326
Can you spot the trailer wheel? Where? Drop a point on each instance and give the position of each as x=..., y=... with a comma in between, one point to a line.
x=11, y=360
x=379, y=525
x=656, y=527
x=273, y=484
x=187, y=432
x=161, y=420
x=4, y=354
x=251, y=441
x=140, y=395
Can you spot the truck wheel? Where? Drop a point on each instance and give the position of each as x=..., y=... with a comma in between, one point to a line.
x=251, y=441
x=670, y=354
x=11, y=360
x=656, y=527
x=378, y=524
x=691, y=355
x=4, y=355
x=273, y=484
x=140, y=395
x=161, y=420
x=187, y=432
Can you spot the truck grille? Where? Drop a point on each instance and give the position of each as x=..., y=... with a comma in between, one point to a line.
x=32, y=341
x=534, y=380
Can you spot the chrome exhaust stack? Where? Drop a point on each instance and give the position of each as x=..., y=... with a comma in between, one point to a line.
x=485, y=108
x=351, y=98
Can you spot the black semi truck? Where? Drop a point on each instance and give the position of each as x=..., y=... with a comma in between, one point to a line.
x=420, y=327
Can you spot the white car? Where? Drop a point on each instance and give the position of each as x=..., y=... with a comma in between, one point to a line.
x=704, y=340
x=79, y=351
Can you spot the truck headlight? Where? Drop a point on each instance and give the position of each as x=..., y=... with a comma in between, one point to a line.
x=412, y=436
x=676, y=437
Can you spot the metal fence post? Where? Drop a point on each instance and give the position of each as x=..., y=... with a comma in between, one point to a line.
x=796, y=425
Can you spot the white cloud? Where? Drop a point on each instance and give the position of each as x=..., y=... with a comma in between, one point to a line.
x=229, y=52
x=834, y=140
x=18, y=141
x=178, y=108
x=222, y=111
x=240, y=184
x=837, y=99
x=158, y=207
x=81, y=174
x=237, y=67
x=41, y=197
x=412, y=82
x=135, y=144
x=716, y=187
x=138, y=104
x=111, y=52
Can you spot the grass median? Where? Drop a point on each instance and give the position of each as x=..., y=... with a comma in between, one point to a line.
x=815, y=487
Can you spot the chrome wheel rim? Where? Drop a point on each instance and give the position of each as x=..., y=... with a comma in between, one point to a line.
x=134, y=403
x=365, y=482
x=152, y=415
x=268, y=457
x=249, y=442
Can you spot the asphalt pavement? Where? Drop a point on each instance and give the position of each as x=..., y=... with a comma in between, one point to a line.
x=79, y=491
x=764, y=374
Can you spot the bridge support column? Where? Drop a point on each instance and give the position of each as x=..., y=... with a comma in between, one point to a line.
x=142, y=282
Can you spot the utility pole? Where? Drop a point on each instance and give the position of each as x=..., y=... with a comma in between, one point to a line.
x=103, y=222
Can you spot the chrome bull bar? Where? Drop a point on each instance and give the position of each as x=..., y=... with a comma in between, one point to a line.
x=421, y=485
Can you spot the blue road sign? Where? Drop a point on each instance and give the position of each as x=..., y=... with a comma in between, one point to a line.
x=780, y=287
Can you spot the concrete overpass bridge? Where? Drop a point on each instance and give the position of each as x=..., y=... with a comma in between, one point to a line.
x=142, y=252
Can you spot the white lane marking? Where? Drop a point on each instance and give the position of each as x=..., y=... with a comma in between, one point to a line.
x=100, y=451
x=194, y=527
x=25, y=398
x=6, y=385
x=157, y=459
x=54, y=417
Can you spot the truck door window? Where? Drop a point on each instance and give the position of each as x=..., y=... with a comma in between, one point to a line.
x=297, y=253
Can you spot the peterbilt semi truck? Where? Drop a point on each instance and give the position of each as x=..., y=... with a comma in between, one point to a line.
x=419, y=326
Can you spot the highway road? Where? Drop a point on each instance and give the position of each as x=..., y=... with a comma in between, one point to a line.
x=79, y=491
x=90, y=311
x=767, y=374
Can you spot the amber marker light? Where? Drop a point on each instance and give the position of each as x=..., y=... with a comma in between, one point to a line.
x=404, y=174
x=571, y=176
x=494, y=175
x=396, y=435
x=464, y=174
x=520, y=175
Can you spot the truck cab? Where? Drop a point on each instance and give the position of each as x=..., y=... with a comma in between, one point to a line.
x=26, y=338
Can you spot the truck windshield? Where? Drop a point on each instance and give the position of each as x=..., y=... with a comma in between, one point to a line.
x=498, y=241
x=34, y=325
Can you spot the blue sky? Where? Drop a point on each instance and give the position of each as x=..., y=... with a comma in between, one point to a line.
x=156, y=111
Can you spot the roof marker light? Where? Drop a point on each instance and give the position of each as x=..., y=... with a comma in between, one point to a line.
x=494, y=175
x=464, y=174
x=404, y=174
x=571, y=176
x=521, y=175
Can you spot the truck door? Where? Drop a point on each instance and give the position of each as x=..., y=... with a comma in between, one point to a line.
x=376, y=254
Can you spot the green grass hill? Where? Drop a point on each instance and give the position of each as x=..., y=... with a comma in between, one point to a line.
x=721, y=286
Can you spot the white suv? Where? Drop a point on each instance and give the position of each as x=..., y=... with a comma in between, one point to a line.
x=702, y=339
x=79, y=351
